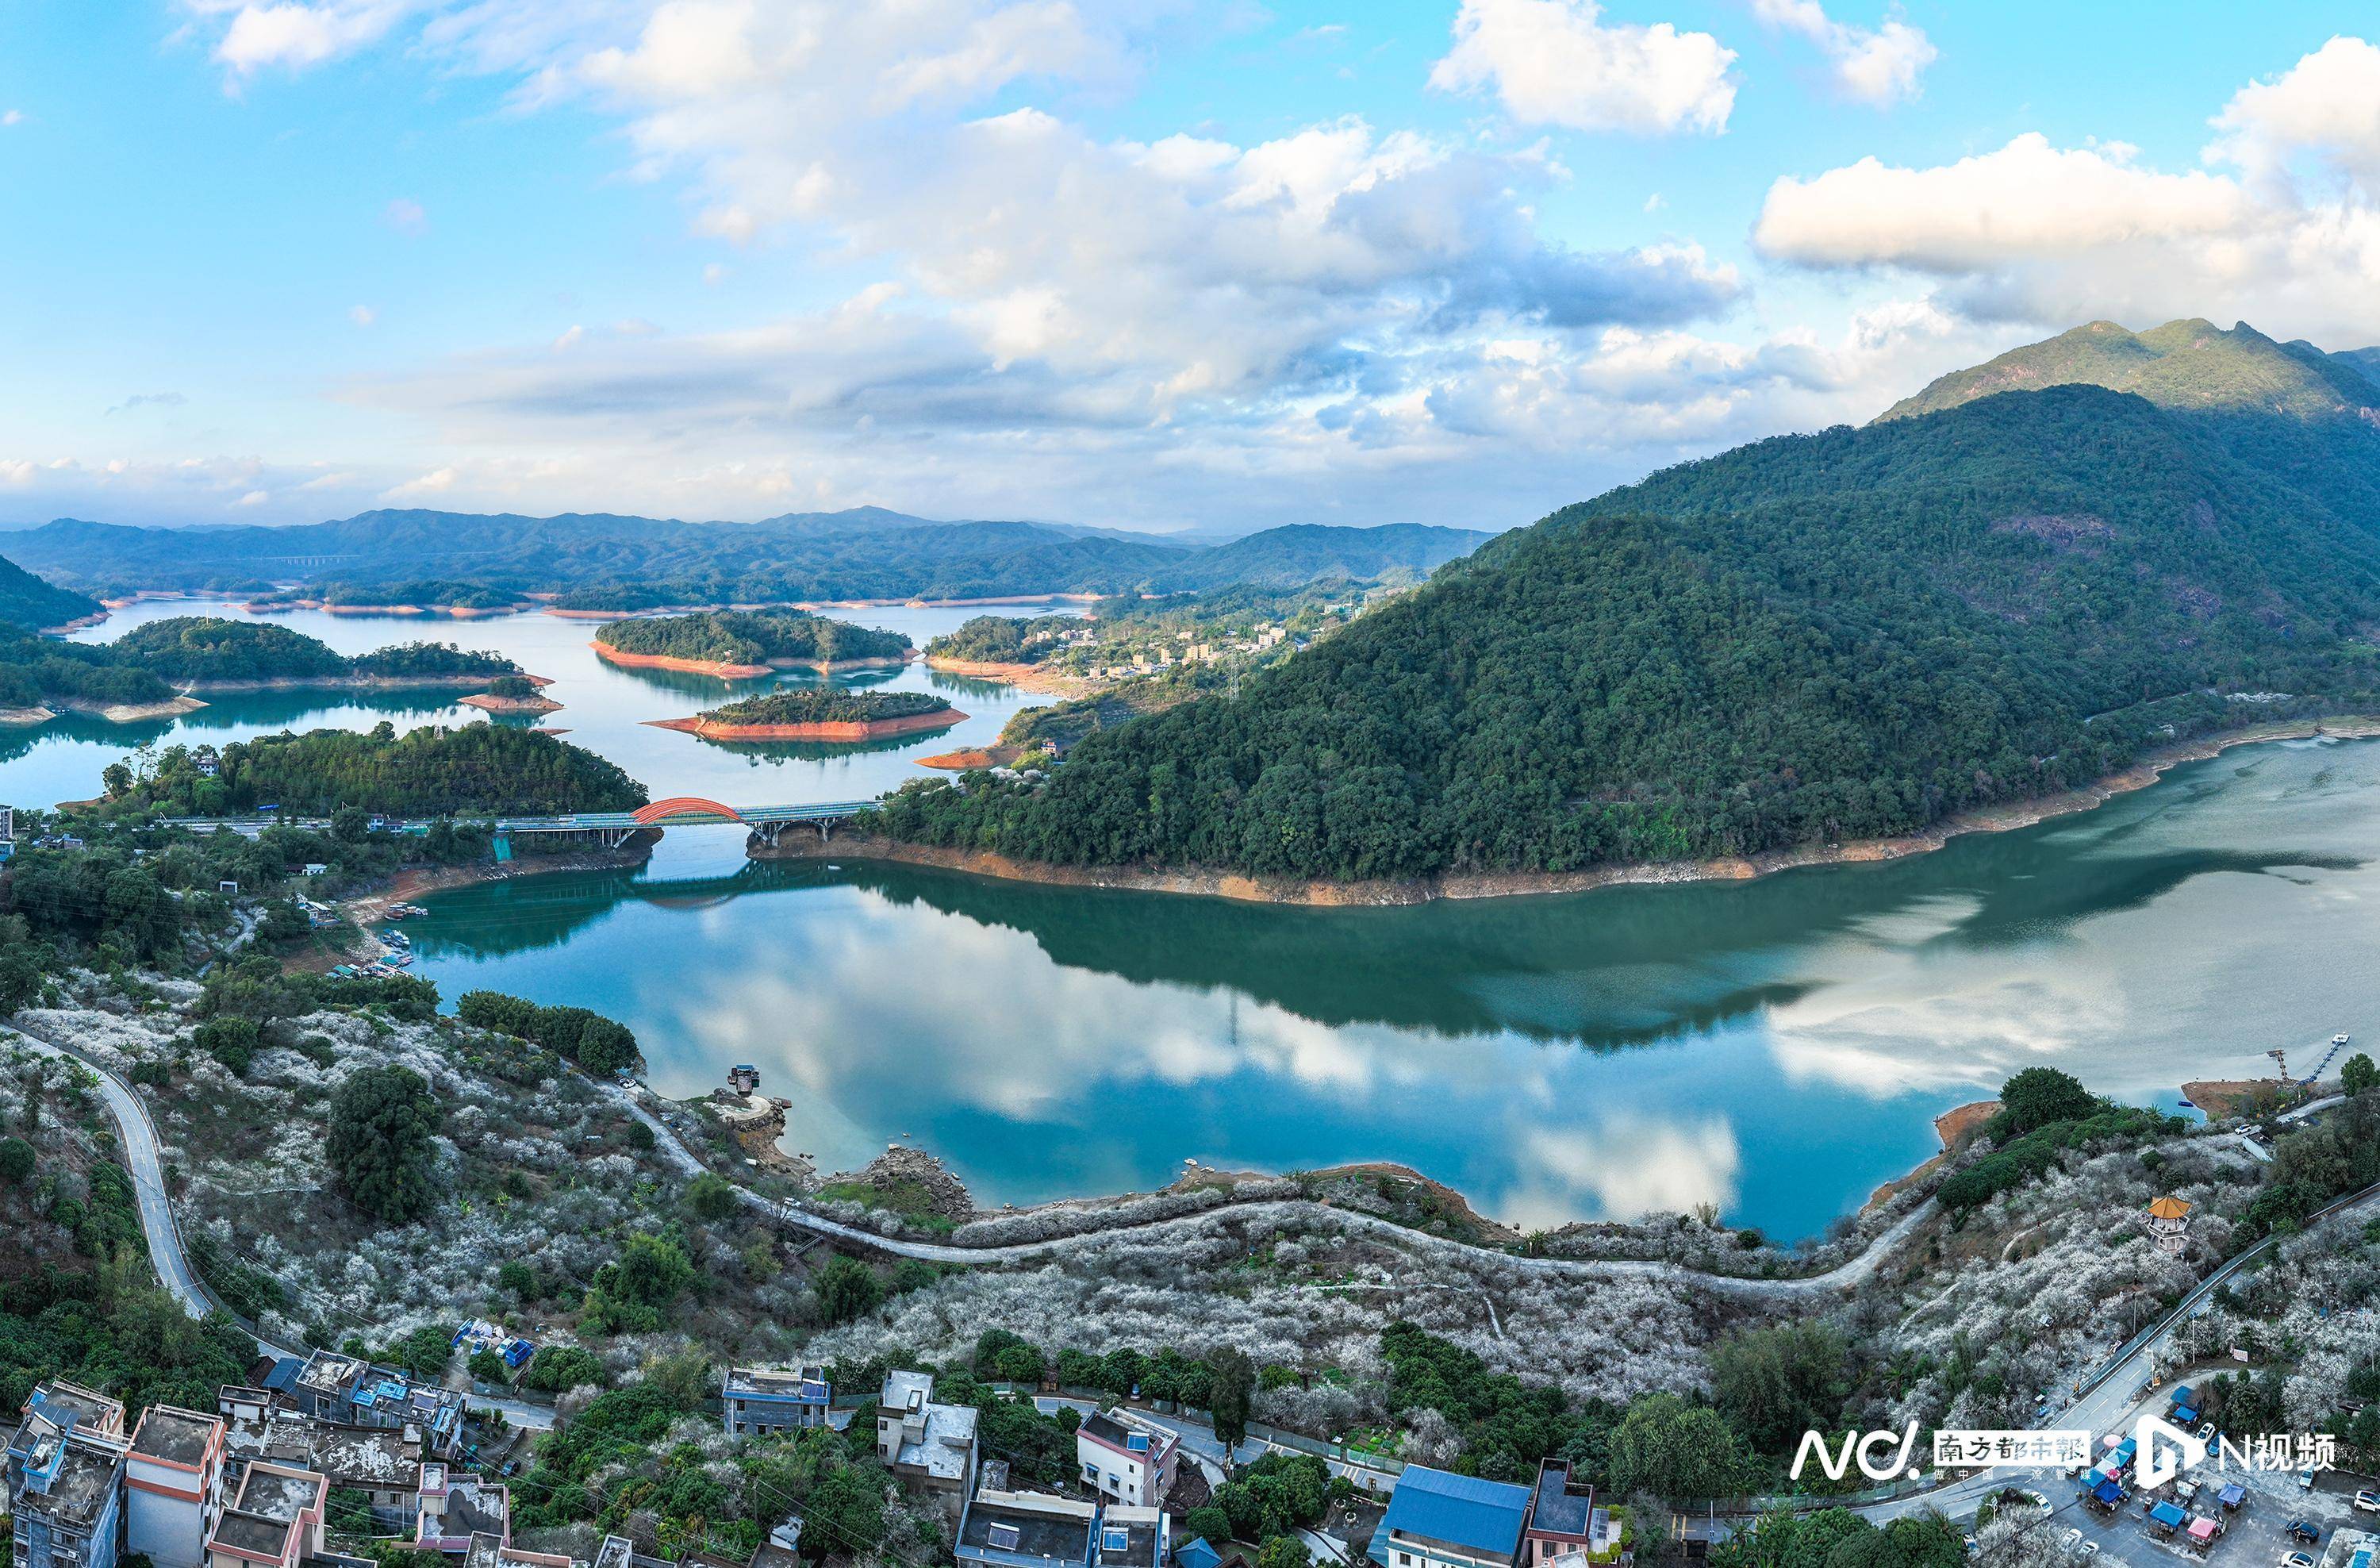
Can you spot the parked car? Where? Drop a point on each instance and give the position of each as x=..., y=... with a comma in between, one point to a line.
x=2087, y=1551
x=2206, y=1431
x=2367, y=1502
x=2042, y=1502
x=2302, y=1532
x=2295, y=1560
x=2069, y=1542
x=2305, y=1480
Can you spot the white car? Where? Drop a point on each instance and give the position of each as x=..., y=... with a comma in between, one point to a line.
x=2069, y=1542
x=2042, y=1502
x=2367, y=1502
x=2087, y=1551
x=2295, y=1560
x=2305, y=1480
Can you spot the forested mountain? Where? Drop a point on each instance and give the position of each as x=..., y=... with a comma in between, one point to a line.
x=1311, y=553
x=27, y=601
x=1812, y=637
x=2190, y=364
x=147, y=663
x=604, y=562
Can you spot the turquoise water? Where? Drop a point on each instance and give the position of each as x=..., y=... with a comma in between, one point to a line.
x=1775, y=1049
x=604, y=708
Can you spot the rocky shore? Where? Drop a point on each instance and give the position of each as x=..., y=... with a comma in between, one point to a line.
x=844, y=730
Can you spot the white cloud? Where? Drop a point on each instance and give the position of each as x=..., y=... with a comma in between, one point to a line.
x=253, y=498
x=363, y=315
x=713, y=274
x=298, y=35
x=405, y=215
x=2280, y=227
x=571, y=337
x=435, y=482
x=2328, y=104
x=12, y=117
x=1556, y=61
x=1878, y=65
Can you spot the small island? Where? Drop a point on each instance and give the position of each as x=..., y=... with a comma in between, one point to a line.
x=154, y=671
x=741, y=644
x=514, y=694
x=475, y=769
x=433, y=596
x=819, y=715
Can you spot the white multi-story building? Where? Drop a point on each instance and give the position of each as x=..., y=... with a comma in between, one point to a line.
x=1126, y=1459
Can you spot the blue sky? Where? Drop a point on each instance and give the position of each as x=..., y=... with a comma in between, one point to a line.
x=1141, y=263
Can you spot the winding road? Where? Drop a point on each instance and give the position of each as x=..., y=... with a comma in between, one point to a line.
x=1844, y=1276
x=137, y=1135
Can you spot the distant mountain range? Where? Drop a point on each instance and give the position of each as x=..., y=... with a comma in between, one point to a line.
x=2012, y=583
x=604, y=561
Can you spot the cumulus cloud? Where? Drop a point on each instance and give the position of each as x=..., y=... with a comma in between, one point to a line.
x=2279, y=225
x=12, y=117
x=297, y=35
x=405, y=215
x=363, y=315
x=1558, y=63
x=1878, y=65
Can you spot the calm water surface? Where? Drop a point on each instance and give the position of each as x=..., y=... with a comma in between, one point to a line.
x=1777, y=1049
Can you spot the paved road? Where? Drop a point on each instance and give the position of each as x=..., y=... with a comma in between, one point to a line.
x=2108, y=1404
x=136, y=1135
x=1842, y=1277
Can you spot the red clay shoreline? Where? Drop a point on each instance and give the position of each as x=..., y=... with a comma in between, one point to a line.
x=846, y=729
x=726, y=671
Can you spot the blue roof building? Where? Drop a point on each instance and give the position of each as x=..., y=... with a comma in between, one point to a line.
x=760, y=1401
x=1437, y=1519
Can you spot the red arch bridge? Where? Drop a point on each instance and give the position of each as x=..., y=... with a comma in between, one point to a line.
x=610, y=827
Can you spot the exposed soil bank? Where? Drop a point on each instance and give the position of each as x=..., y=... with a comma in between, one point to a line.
x=1024, y=677
x=489, y=702
x=2223, y=1098
x=853, y=729
x=980, y=756
x=451, y=611
x=139, y=712
x=1500, y=884
x=728, y=672
x=347, y=683
x=371, y=907
x=26, y=717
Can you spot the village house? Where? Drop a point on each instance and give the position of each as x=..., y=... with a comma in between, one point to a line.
x=929, y=1445
x=1026, y=1530
x=353, y=1391
x=276, y=1519
x=1564, y=1525
x=65, y=1469
x=174, y=1485
x=760, y=1401
x=1437, y=1519
x=1126, y=1459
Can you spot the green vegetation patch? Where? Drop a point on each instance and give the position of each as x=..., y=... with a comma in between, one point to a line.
x=817, y=706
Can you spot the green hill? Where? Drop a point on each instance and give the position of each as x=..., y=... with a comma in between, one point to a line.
x=1811, y=638
x=2188, y=365
x=1304, y=553
x=26, y=601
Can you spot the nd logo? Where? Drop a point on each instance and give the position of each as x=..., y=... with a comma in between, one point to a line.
x=2166, y=1451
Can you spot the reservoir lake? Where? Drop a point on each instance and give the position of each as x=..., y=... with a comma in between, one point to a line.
x=1775, y=1049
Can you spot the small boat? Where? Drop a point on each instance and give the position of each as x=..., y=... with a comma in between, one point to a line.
x=2338, y=1040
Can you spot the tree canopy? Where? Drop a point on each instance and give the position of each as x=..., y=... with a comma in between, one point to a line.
x=381, y=1122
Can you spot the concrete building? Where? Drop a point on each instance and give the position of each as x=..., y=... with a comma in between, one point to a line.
x=760, y=1400
x=65, y=1472
x=174, y=1485
x=1564, y=1525
x=929, y=1445
x=1026, y=1530
x=1437, y=1519
x=1132, y=1538
x=276, y=1519
x=1126, y=1459
x=457, y=1507
x=353, y=1391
